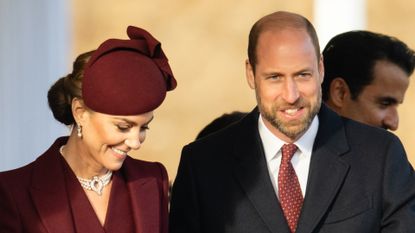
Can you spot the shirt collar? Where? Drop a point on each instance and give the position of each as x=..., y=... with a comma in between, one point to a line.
x=272, y=144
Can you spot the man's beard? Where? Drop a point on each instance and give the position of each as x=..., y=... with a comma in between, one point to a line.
x=292, y=129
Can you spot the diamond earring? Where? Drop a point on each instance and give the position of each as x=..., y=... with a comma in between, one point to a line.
x=79, y=131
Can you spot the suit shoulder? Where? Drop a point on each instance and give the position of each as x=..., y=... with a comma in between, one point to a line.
x=368, y=134
x=358, y=127
x=332, y=122
x=218, y=138
x=214, y=148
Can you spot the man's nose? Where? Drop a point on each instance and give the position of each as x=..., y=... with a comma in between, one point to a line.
x=391, y=120
x=291, y=93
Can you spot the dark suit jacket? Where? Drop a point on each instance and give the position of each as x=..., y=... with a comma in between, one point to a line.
x=359, y=181
x=33, y=199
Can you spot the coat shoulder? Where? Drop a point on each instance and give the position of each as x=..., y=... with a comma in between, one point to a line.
x=18, y=176
x=139, y=168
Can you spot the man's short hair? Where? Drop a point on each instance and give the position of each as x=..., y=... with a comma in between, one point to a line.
x=279, y=19
x=352, y=56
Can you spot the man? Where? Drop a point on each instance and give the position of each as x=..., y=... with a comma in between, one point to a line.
x=344, y=177
x=367, y=75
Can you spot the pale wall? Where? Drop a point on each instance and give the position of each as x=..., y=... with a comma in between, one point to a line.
x=206, y=43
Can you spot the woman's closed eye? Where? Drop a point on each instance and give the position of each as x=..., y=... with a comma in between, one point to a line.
x=145, y=128
x=123, y=127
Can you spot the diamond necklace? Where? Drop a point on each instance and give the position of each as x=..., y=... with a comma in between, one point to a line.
x=95, y=184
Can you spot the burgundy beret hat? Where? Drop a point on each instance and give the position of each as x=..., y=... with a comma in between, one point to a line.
x=127, y=77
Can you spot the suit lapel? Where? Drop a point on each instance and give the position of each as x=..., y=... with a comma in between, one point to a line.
x=145, y=197
x=252, y=173
x=327, y=170
x=49, y=193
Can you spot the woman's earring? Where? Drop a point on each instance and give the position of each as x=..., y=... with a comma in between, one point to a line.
x=79, y=131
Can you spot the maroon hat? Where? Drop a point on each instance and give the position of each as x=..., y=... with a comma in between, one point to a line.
x=127, y=77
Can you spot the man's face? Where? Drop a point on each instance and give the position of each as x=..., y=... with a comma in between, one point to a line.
x=287, y=82
x=377, y=104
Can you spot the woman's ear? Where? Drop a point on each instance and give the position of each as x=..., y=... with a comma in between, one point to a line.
x=79, y=111
x=339, y=93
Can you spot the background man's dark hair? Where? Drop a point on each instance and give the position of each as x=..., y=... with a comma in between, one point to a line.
x=352, y=56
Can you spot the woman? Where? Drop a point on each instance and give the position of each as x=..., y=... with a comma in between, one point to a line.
x=87, y=182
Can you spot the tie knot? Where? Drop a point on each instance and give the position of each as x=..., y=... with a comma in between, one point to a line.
x=288, y=151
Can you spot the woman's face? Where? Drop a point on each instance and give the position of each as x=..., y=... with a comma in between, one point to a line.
x=108, y=138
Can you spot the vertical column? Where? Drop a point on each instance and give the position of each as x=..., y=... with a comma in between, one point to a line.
x=332, y=17
x=34, y=45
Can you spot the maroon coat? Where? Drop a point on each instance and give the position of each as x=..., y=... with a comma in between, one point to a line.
x=34, y=198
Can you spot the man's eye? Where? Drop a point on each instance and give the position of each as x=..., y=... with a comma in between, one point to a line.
x=304, y=75
x=274, y=77
x=386, y=103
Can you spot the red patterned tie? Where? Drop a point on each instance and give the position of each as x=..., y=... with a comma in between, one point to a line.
x=289, y=189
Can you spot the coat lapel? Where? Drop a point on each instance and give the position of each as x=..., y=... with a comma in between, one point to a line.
x=145, y=197
x=327, y=170
x=252, y=173
x=49, y=193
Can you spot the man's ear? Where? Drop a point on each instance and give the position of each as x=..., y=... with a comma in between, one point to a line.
x=79, y=111
x=249, y=73
x=321, y=69
x=339, y=92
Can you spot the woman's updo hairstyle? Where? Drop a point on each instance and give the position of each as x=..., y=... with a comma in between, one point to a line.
x=62, y=92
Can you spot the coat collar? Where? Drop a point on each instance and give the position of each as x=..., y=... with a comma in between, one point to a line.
x=327, y=171
x=146, y=196
x=50, y=195
x=251, y=171
x=49, y=192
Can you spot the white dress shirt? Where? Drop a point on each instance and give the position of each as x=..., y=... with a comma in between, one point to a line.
x=301, y=159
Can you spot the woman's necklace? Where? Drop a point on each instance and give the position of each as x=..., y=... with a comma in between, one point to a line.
x=95, y=184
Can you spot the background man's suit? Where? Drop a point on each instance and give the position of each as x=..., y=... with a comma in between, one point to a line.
x=359, y=181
